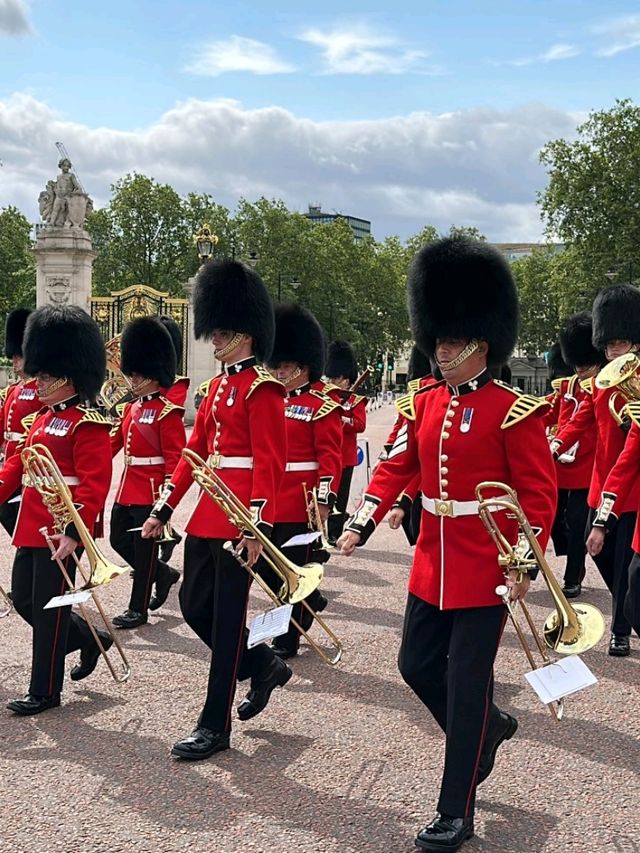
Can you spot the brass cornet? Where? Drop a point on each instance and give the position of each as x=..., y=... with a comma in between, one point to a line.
x=298, y=582
x=622, y=373
x=316, y=523
x=568, y=630
x=44, y=476
x=168, y=533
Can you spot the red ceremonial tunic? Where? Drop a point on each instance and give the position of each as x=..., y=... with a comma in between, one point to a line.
x=575, y=465
x=78, y=438
x=152, y=434
x=178, y=392
x=240, y=418
x=622, y=480
x=21, y=402
x=594, y=417
x=454, y=439
x=354, y=421
x=314, y=437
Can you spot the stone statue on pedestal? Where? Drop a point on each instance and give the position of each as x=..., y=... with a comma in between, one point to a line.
x=64, y=203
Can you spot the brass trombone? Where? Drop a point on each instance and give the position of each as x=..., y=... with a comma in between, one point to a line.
x=316, y=523
x=623, y=373
x=44, y=476
x=568, y=630
x=297, y=581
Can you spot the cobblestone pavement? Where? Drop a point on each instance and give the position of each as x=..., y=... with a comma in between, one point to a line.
x=342, y=760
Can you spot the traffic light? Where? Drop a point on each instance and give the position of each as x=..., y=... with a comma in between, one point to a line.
x=380, y=363
x=390, y=362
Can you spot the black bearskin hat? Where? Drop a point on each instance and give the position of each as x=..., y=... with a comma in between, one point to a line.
x=176, y=336
x=556, y=367
x=299, y=338
x=66, y=342
x=341, y=361
x=575, y=341
x=230, y=295
x=14, y=331
x=463, y=288
x=501, y=372
x=419, y=364
x=616, y=315
x=146, y=348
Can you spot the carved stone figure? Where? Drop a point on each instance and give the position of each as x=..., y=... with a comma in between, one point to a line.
x=64, y=204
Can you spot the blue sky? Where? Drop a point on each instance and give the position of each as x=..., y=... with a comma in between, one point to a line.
x=382, y=80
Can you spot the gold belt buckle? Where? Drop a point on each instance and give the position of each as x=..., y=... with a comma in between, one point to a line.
x=215, y=459
x=444, y=508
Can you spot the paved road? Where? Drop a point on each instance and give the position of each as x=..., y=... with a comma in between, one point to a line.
x=342, y=760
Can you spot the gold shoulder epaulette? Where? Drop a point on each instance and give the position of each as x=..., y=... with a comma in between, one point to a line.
x=3, y=393
x=522, y=408
x=262, y=376
x=515, y=391
x=406, y=406
x=169, y=407
x=203, y=388
x=633, y=411
x=587, y=385
x=571, y=387
x=556, y=384
x=413, y=385
x=28, y=421
x=92, y=416
x=180, y=378
x=357, y=398
x=328, y=405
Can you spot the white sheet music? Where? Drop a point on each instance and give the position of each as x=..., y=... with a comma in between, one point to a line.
x=565, y=676
x=302, y=539
x=68, y=599
x=272, y=623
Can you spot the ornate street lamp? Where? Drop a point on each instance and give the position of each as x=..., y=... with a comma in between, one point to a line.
x=205, y=243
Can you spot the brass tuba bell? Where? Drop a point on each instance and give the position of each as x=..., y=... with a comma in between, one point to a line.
x=623, y=374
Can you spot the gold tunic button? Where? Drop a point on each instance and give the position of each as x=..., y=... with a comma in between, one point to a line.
x=444, y=495
x=444, y=470
x=444, y=483
x=444, y=457
x=445, y=435
x=455, y=402
x=447, y=424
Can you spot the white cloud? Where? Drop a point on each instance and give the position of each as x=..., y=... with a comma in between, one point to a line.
x=359, y=50
x=620, y=34
x=14, y=18
x=553, y=54
x=474, y=167
x=238, y=54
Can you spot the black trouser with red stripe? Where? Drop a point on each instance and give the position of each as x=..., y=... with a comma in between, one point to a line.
x=613, y=564
x=213, y=598
x=141, y=554
x=447, y=657
x=567, y=532
x=56, y=632
x=9, y=513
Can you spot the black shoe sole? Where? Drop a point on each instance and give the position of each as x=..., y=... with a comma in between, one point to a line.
x=435, y=846
x=281, y=683
x=23, y=712
x=199, y=756
x=619, y=653
x=157, y=601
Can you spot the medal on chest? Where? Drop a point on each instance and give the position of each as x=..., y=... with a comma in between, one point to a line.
x=27, y=394
x=299, y=413
x=233, y=392
x=465, y=423
x=58, y=426
x=147, y=416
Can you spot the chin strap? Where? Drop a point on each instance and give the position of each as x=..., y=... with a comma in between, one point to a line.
x=292, y=377
x=55, y=386
x=234, y=343
x=470, y=348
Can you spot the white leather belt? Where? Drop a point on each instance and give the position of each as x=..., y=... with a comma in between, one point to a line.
x=12, y=436
x=452, y=509
x=70, y=481
x=302, y=466
x=218, y=461
x=144, y=460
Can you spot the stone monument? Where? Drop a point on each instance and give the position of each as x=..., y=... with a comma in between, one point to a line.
x=63, y=250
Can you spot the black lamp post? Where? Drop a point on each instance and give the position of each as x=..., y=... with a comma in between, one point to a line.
x=294, y=283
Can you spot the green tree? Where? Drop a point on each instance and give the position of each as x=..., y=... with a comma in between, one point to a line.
x=592, y=200
x=17, y=264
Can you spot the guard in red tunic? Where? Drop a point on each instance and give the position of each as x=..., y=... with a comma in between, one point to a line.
x=152, y=434
x=314, y=450
x=574, y=467
x=463, y=430
x=240, y=429
x=616, y=331
x=65, y=353
x=20, y=404
x=342, y=372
